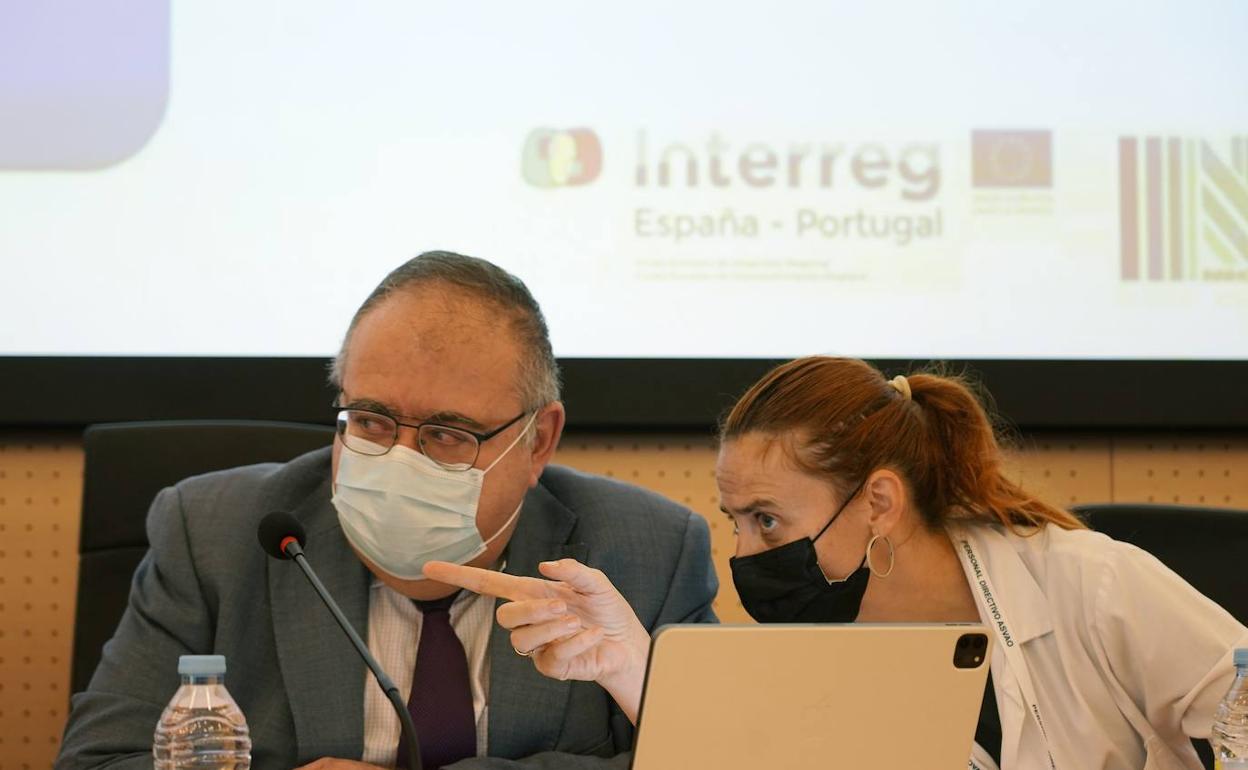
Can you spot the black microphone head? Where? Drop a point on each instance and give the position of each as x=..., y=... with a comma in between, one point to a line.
x=274, y=530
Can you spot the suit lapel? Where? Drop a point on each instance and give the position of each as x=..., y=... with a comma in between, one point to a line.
x=323, y=675
x=527, y=709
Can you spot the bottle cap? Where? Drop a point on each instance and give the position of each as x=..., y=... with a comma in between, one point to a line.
x=1241, y=656
x=201, y=665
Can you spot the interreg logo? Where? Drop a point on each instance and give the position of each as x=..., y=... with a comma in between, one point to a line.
x=911, y=169
x=561, y=157
x=1183, y=208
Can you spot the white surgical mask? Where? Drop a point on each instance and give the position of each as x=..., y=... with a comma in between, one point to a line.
x=402, y=510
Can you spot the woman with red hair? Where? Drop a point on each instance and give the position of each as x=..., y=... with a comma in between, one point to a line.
x=859, y=498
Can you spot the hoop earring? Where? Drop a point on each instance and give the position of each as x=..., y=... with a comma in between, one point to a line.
x=892, y=556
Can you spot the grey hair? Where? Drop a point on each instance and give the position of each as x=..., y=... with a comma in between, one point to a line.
x=539, y=371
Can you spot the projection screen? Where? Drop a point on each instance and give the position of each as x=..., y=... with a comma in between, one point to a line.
x=685, y=181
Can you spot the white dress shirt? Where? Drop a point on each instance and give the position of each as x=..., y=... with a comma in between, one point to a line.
x=394, y=626
x=1127, y=661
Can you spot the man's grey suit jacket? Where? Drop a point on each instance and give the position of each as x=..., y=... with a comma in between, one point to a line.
x=206, y=587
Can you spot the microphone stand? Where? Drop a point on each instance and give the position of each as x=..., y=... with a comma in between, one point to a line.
x=295, y=551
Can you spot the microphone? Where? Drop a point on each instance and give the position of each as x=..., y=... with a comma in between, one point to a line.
x=282, y=537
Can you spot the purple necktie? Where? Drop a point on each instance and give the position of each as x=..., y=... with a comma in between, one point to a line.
x=441, y=699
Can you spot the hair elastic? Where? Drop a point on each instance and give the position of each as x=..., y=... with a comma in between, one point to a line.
x=901, y=385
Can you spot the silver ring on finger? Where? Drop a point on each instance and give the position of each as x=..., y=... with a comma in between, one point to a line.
x=522, y=654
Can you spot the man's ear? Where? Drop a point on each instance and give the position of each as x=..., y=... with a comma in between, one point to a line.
x=887, y=496
x=547, y=428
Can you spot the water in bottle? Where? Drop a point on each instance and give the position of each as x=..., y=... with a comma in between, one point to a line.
x=1230, y=722
x=202, y=727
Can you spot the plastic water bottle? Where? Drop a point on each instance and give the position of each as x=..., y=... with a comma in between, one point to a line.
x=1230, y=721
x=202, y=727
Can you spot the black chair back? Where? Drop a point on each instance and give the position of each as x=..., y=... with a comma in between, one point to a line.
x=125, y=465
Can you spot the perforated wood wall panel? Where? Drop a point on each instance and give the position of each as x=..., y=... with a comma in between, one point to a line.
x=1209, y=471
x=1066, y=470
x=40, y=494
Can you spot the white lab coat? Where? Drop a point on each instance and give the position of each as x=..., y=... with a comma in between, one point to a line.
x=1127, y=661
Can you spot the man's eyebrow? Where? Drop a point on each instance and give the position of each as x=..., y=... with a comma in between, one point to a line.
x=370, y=404
x=447, y=418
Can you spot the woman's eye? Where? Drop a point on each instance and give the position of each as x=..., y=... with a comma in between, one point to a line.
x=766, y=522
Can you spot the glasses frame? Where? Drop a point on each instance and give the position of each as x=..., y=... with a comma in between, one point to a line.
x=481, y=438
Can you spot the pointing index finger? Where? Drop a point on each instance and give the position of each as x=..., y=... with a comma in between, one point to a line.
x=488, y=582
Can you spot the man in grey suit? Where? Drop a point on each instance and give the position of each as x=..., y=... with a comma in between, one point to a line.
x=449, y=415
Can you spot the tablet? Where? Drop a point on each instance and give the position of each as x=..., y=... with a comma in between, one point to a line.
x=798, y=696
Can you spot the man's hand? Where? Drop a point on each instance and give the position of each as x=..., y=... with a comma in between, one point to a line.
x=333, y=763
x=574, y=626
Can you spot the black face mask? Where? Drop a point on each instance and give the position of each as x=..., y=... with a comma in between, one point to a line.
x=785, y=584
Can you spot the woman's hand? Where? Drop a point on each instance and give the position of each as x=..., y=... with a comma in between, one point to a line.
x=575, y=625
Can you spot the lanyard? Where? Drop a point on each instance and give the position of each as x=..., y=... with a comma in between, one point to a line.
x=988, y=598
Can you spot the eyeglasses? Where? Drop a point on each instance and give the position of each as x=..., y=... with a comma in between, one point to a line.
x=375, y=433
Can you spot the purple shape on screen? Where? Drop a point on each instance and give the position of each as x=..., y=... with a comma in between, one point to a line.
x=83, y=83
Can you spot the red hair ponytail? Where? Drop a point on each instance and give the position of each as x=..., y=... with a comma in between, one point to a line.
x=843, y=420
